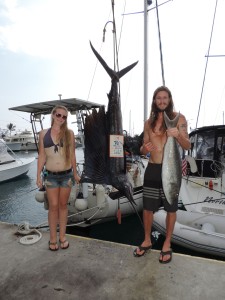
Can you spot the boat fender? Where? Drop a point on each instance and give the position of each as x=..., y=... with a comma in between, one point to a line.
x=192, y=163
x=130, y=176
x=40, y=195
x=73, y=195
x=46, y=205
x=81, y=203
x=208, y=227
x=137, y=178
x=211, y=185
x=85, y=189
x=100, y=195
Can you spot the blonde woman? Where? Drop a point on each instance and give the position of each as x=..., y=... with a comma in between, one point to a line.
x=57, y=155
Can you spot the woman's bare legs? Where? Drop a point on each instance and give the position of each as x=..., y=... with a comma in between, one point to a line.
x=53, y=214
x=64, y=194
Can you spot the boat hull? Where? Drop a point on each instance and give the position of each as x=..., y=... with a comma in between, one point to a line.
x=200, y=232
x=90, y=203
x=106, y=211
x=14, y=146
x=15, y=169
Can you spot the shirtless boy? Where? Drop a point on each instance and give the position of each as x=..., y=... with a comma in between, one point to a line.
x=155, y=136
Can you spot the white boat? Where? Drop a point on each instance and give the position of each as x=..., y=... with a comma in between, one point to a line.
x=201, y=225
x=90, y=203
x=24, y=138
x=201, y=232
x=13, y=145
x=204, y=189
x=11, y=166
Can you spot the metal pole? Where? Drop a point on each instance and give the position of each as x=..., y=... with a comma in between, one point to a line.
x=145, y=61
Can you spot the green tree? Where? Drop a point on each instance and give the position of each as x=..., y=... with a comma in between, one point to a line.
x=11, y=127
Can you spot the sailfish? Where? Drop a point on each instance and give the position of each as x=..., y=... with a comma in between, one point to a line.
x=100, y=166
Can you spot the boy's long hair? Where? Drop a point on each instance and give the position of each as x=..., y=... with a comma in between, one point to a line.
x=155, y=111
x=64, y=134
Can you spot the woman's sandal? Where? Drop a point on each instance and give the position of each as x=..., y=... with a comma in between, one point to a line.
x=62, y=247
x=141, y=248
x=53, y=244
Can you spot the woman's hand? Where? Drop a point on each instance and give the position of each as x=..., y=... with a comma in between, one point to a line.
x=39, y=182
x=77, y=178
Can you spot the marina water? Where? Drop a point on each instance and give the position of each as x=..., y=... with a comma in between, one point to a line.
x=18, y=204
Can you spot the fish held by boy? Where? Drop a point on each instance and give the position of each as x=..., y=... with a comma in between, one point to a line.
x=171, y=164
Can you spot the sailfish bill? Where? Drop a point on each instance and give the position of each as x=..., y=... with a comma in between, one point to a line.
x=171, y=164
x=101, y=128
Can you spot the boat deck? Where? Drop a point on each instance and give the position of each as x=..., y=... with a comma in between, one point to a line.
x=92, y=269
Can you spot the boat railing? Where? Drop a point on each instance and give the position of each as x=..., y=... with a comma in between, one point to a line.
x=9, y=150
x=208, y=168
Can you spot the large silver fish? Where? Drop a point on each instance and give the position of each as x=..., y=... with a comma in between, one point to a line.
x=171, y=164
x=100, y=168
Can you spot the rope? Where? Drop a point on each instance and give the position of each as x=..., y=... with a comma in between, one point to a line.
x=28, y=239
x=206, y=187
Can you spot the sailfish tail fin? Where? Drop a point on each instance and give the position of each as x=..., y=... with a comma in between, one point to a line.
x=112, y=73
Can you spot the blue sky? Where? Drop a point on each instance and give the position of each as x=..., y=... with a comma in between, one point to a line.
x=44, y=51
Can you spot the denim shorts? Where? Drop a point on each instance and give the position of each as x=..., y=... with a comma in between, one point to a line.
x=54, y=181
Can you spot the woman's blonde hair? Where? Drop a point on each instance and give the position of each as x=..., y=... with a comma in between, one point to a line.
x=64, y=134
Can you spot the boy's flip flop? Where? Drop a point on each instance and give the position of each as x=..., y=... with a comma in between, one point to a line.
x=164, y=253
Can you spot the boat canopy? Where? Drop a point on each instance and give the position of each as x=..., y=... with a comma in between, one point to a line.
x=75, y=106
x=44, y=108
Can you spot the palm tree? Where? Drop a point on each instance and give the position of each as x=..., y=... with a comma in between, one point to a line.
x=11, y=127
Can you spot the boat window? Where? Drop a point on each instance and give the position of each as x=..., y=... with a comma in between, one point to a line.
x=203, y=145
x=221, y=148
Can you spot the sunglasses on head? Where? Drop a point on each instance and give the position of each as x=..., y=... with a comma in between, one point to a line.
x=61, y=116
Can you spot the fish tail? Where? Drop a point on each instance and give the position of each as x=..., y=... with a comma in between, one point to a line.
x=171, y=123
x=112, y=73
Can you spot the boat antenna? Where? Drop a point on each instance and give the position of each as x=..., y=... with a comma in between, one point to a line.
x=115, y=45
x=206, y=65
x=160, y=44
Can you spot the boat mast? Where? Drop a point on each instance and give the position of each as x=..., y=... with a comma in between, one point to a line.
x=146, y=2
x=160, y=45
x=206, y=65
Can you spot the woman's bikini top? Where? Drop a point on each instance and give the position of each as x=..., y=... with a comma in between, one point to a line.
x=48, y=142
